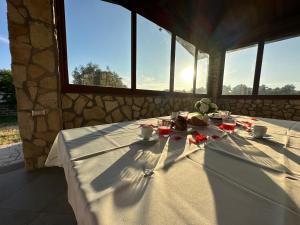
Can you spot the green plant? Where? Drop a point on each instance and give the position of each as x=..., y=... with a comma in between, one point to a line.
x=7, y=89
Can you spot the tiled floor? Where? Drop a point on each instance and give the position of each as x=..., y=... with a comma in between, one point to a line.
x=11, y=154
x=34, y=198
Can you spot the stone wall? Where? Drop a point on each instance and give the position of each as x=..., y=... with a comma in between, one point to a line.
x=278, y=108
x=35, y=72
x=92, y=109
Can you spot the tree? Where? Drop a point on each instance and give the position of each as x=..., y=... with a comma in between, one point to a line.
x=241, y=89
x=226, y=90
x=7, y=89
x=91, y=74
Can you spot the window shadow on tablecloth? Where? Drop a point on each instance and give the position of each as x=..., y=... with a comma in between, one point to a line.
x=245, y=193
x=126, y=176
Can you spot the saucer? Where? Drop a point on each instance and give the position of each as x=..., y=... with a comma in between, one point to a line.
x=266, y=136
x=154, y=137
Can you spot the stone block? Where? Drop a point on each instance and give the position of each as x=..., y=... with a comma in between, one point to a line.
x=54, y=121
x=32, y=150
x=17, y=30
x=68, y=116
x=39, y=10
x=32, y=92
x=73, y=96
x=120, y=100
x=48, y=100
x=95, y=113
x=78, y=121
x=39, y=142
x=108, y=119
x=20, y=52
x=117, y=116
x=34, y=72
x=45, y=59
x=41, y=125
x=110, y=105
x=14, y=14
x=66, y=102
x=23, y=101
x=49, y=83
x=40, y=35
x=80, y=104
x=26, y=125
x=19, y=75
x=127, y=112
x=128, y=100
x=92, y=123
x=138, y=101
x=99, y=101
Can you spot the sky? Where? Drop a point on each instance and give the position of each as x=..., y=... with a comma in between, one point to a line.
x=99, y=32
x=5, y=58
x=105, y=40
x=281, y=64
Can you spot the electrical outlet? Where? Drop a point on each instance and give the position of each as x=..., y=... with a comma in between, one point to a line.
x=38, y=112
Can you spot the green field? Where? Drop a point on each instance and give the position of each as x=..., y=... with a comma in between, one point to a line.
x=9, y=131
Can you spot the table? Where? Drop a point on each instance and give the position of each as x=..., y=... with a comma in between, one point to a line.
x=231, y=180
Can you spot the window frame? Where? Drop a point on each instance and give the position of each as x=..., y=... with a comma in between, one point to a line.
x=257, y=73
x=66, y=87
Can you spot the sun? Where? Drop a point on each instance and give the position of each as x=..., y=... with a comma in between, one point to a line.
x=187, y=74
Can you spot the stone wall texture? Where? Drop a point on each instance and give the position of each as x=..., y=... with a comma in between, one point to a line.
x=35, y=72
x=277, y=109
x=92, y=109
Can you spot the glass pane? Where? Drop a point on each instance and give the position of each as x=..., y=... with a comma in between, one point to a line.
x=5, y=58
x=184, y=66
x=153, y=56
x=202, y=72
x=239, y=71
x=99, y=43
x=280, y=72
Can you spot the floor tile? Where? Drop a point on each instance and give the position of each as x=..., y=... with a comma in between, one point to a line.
x=16, y=217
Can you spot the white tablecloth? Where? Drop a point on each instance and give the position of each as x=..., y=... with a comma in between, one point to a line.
x=231, y=180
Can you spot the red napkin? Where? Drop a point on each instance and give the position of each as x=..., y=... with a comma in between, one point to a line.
x=197, y=138
x=226, y=127
x=246, y=123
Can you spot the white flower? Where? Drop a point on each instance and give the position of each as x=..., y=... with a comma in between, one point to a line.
x=206, y=100
x=203, y=107
x=213, y=106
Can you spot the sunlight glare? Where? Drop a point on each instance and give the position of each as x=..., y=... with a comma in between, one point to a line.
x=187, y=74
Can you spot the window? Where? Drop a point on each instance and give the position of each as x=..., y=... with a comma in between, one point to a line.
x=184, y=66
x=99, y=43
x=280, y=72
x=202, y=72
x=153, y=56
x=110, y=47
x=239, y=71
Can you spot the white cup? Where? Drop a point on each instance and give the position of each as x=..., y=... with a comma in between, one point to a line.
x=146, y=131
x=259, y=131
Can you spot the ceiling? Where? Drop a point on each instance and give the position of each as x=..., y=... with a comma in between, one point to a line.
x=222, y=23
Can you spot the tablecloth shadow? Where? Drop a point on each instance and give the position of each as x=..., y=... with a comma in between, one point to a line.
x=174, y=151
x=126, y=176
x=93, y=135
x=226, y=175
x=254, y=155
